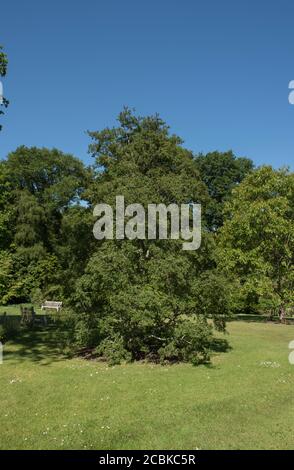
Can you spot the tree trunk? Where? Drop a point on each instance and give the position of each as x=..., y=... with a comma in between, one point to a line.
x=282, y=314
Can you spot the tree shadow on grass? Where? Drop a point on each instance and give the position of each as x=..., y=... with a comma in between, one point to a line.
x=44, y=345
x=40, y=344
x=218, y=345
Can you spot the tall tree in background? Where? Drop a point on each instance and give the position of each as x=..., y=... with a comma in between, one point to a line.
x=40, y=187
x=256, y=243
x=221, y=172
x=3, y=69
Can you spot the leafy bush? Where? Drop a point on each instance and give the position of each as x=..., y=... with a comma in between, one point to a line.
x=113, y=350
x=36, y=296
x=85, y=331
x=191, y=342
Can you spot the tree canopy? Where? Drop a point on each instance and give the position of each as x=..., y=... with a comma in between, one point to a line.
x=142, y=294
x=145, y=298
x=256, y=243
x=221, y=172
x=39, y=188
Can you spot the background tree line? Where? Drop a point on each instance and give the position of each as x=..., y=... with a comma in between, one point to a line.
x=145, y=298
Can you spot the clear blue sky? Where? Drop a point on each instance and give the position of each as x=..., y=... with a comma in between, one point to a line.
x=216, y=71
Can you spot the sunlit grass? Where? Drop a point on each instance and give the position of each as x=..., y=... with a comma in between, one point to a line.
x=245, y=400
x=15, y=309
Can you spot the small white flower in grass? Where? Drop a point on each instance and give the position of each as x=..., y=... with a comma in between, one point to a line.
x=13, y=381
x=274, y=365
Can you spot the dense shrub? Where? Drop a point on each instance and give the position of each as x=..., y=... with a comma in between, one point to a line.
x=113, y=350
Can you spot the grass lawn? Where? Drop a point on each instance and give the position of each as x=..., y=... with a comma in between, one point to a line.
x=245, y=400
x=15, y=309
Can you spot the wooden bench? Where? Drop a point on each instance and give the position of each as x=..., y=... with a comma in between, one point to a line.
x=50, y=304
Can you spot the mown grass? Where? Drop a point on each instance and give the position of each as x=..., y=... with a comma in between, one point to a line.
x=15, y=309
x=244, y=400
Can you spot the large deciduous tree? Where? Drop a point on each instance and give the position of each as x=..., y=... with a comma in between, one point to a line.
x=39, y=188
x=256, y=243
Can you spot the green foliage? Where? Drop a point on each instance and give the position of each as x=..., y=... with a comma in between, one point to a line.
x=256, y=244
x=3, y=62
x=221, y=172
x=215, y=296
x=144, y=299
x=6, y=274
x=140, y=290
x=75, y=245
x=86, y=333
x=3, y=71
x=191, y=341
x=55, y=179
x=113, y=350
x=36, y=296
x=40, y=188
